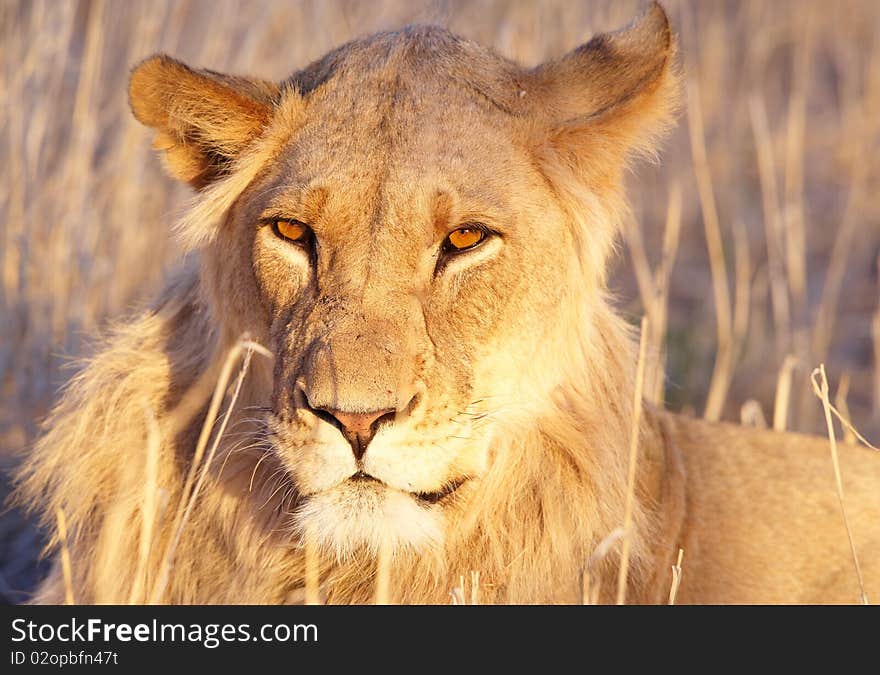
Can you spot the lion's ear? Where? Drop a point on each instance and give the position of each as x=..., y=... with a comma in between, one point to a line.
x=611, y=97
x=202, y=119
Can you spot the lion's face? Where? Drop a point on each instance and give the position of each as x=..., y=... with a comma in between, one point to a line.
x=402, y=243
x=415, y=264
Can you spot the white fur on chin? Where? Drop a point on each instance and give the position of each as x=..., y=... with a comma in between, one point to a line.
x=353, y=516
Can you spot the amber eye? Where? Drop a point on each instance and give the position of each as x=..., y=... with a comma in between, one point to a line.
x=291, y=230
x=464, y=238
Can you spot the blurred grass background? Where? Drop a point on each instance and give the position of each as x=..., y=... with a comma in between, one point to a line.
x=775, y=167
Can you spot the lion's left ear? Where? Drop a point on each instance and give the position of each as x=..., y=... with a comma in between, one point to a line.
x=203, y=120
x=611, y=97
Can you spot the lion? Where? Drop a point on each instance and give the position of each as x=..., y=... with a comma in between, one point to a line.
x=418, y=231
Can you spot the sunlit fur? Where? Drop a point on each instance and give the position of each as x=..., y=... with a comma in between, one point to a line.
x=518, y=373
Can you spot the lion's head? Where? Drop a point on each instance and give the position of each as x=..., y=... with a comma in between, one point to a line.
x=418, y=229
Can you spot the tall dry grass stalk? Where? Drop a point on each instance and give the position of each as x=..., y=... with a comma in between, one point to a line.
x=641, y=267
x=721, y=372
x=783, y=393
x=313, y=571
x=590, y=587
x=840, y=401
x=843, y=244
x=475, y=587
x=468, y=590
x=190, y=491
x=79, y=172
x=65, y=557
x=654, y=289
x=841, y=417
x=384, y=557
x=658, y=315
x=773, y=226
x=820, y=387
x=742, y=290
x=149, y=508
x=793, y=210
x=676, y=577
x=875, y=334
x=635, y=432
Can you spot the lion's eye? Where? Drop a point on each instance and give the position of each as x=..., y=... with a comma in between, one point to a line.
x=464, y=238
x=291, y=230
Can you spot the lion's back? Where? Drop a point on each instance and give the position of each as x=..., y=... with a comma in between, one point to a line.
x=764, y=522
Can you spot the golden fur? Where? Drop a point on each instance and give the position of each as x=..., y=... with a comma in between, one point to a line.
x=505, y=367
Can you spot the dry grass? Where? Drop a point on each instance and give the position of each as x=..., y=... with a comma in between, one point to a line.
x=201, y=463
x=676, y=577
x=383, y=576
x=65, y=557
x=783, y=393
x=313, y=571
x=820, y=385
x=634, y=434
x=764, y=190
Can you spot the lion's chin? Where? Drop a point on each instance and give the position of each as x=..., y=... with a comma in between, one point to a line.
x=355, y=516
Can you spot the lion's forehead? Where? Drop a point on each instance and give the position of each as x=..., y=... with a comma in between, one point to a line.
x=387, y=134
x=396, y=177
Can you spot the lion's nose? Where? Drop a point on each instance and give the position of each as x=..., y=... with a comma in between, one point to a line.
x=359, y=428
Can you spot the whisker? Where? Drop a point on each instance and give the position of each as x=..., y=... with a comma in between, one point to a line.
x=257, y=466
x=274, y=492
x=238, y=449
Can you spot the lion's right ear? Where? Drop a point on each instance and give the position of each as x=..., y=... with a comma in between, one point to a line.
x=611, y=97
x=203, y=120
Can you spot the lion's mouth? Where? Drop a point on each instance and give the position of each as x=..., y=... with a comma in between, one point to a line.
x=427, y=497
